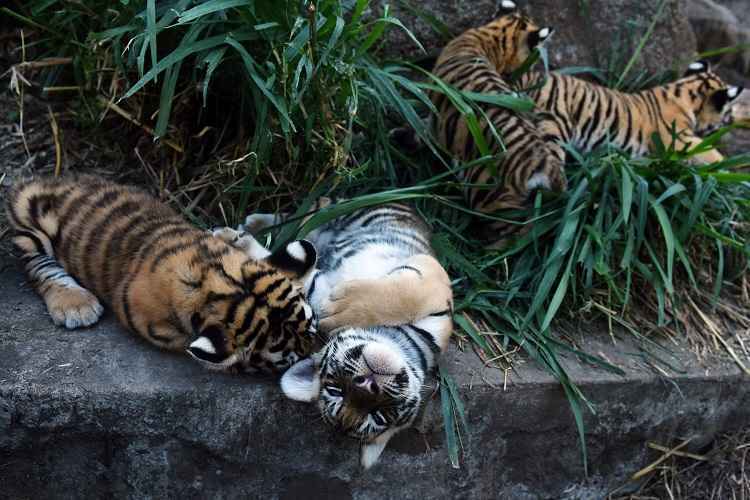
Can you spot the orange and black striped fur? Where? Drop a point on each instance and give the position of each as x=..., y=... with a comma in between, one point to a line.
x=86, y=239
x=477, y=61
x=587, y=115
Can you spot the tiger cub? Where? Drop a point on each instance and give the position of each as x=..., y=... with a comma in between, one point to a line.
x=587, y=115
x=477, y=61
x=86, y=239
x=378, y=283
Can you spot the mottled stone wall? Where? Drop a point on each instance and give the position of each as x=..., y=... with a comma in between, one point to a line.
x=587, y=32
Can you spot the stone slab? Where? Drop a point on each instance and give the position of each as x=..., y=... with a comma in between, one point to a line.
x=100, y=413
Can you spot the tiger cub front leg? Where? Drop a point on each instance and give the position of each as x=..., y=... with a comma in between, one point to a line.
x=68, y=303
x=417, y=289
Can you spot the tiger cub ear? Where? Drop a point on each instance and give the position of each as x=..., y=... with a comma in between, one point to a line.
x=297, y=258
x=506, y=7
x=301, y=382
x=209, y=347
x=697, y=67
x=725, y=96
x=538, y=37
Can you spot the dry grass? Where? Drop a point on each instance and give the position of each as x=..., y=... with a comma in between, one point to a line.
x=718, y=472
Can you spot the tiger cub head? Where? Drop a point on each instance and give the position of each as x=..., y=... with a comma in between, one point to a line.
x=707, y=96
x=511, y=38
x=252, y=314
x=364, y=386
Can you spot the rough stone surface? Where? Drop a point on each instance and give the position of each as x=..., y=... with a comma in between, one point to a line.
x=583, y=37
x=99, y=413
x=717, y=26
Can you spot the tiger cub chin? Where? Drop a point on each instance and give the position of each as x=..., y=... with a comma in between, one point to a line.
x=86, y=239
x=388, y=303
x=587, y=115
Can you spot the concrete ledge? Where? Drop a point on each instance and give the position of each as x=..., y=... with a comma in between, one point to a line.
x=98, y=412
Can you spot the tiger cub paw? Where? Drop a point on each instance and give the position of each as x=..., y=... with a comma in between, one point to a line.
x=255, y=223
x=349, y=305
x=226, y=234
x=242, y=241
x=73, y=307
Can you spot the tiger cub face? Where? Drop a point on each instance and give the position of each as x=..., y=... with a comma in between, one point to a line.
x=364, y=386
x=708, y=97
x=510, y=39
x=253, y=315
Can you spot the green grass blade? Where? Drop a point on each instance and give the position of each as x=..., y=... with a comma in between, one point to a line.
x=151, y=33
x=210, y=7
x=637, y=54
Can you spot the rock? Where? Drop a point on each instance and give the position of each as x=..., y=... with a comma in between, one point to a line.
x=717, y=26
x=582, y=37
x=99, y=413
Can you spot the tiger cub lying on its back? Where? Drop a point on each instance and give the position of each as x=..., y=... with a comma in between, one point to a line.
x=378, y=282
x=175, y=285
x=586, y=115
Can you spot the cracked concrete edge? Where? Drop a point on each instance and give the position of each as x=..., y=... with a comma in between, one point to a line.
x=105, y=413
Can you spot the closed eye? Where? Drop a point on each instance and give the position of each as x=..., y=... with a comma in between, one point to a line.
x=334, y=391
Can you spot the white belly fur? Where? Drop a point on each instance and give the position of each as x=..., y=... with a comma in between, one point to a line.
x=374, y=261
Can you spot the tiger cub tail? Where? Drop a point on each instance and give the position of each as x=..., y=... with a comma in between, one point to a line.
x=32, y=210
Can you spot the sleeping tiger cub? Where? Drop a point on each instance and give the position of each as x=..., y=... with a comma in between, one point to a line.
x=587, y=115
x=85, y=239
x=476, y=61
x=378, y=282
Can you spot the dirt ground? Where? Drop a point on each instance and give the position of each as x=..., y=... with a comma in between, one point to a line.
x=721, y=470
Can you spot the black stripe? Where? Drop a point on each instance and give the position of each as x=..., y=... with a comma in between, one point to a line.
x=215, y=297
x=411, y=268
x=441, y=313
x=46, y=200
x=108, y=197
x=311, y=290
x=152, y=333
x=134, y=245
x=413, y=343
x=272, y=287
x=65, y=218
x=246, y=323
x=36, y=241
x=428, y=338
x=173, y=249
x=96, y=239
x=232, y=310
x=174, y=320
x=285, y=293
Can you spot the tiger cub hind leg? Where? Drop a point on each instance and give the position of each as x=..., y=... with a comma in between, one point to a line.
x=410, y=292
x=68, y=303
